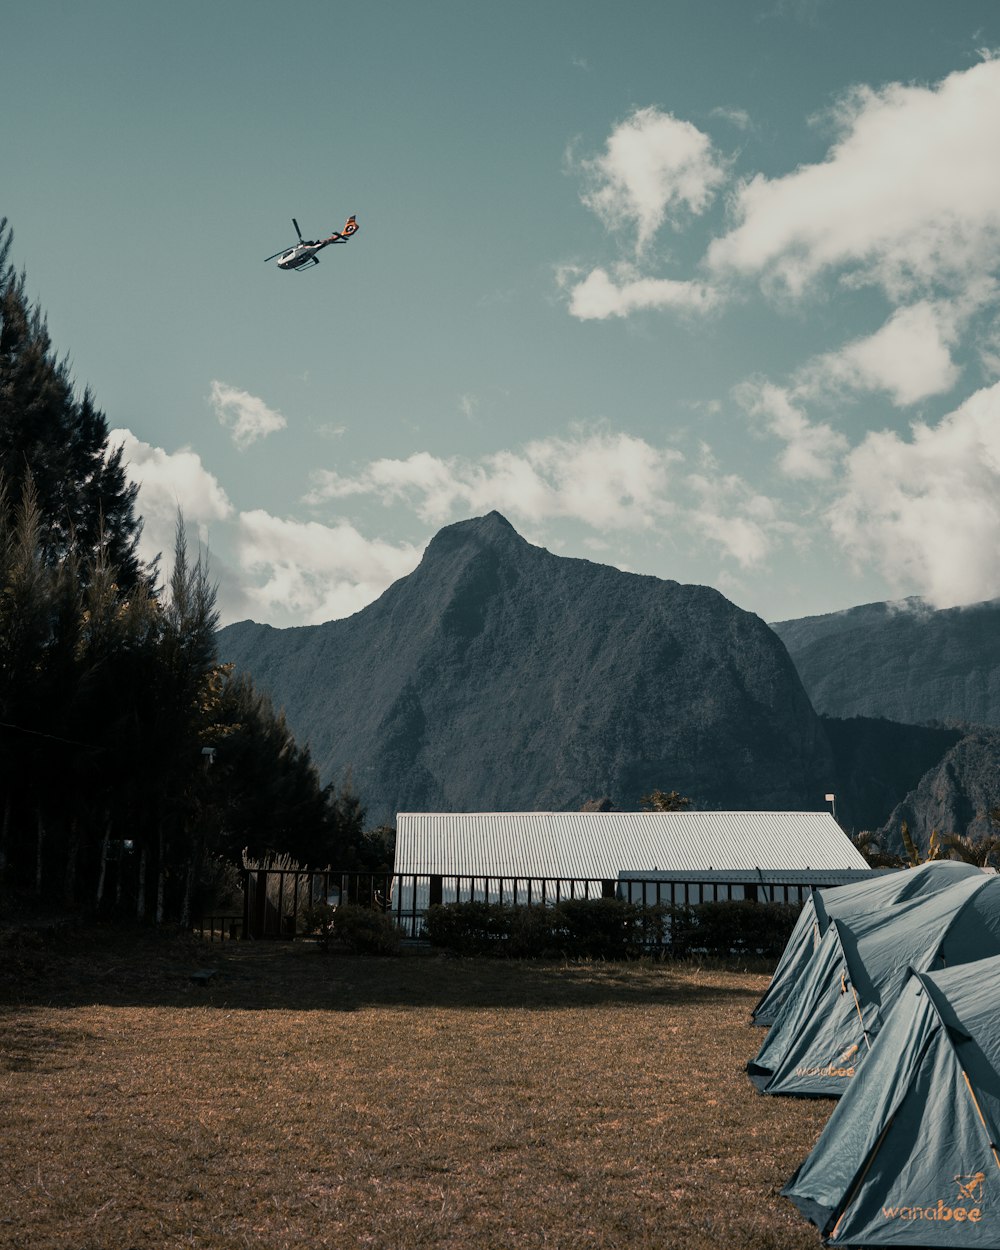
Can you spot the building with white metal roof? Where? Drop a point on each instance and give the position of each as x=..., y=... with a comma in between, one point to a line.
x=607, y=845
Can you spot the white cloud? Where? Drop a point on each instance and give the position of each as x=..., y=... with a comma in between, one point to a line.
x=655, y=167
x=170, y=482
x=283, y=571
x=810, y=447
x=247, y=417
x=909, y=356
x=603, y=479
x=925, y=511
x=606, y=481
x=908, y=196
x=315, y=572
x=422, y=477
x=988, y=347
x=744, y=523
x=737, y=117
x=328, y=430
x=598, y=297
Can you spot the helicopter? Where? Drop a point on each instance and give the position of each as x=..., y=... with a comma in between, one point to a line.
x=302, y=255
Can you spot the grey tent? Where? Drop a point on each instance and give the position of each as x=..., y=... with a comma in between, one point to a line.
x=827, y=1026
x=910, y=1155
x=843, y=903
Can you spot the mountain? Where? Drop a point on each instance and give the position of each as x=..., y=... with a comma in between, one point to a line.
x=500, y=676
x=877, y=762
x=903, y=661
x=956, y=795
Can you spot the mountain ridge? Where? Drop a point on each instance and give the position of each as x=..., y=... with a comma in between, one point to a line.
x=909, y=679
x=498, y=675
x=904, y=661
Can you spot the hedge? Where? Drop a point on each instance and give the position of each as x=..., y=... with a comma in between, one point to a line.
x=610, y=929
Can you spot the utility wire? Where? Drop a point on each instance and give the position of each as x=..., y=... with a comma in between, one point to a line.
x=37, y=733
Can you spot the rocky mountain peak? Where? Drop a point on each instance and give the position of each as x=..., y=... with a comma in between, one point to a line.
x=498, y=676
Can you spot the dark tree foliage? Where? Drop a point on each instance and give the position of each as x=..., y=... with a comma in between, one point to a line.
x=278, y=805
x=353, y=848
x=85, y=499
x=129, y=756
x=665, y=801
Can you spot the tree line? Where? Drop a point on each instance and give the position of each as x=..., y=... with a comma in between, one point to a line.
x=129, y=755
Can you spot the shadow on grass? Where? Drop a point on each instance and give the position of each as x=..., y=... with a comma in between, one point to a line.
x=26, y=1045
x=152, y=970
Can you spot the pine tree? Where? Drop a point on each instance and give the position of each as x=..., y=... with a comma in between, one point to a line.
x=83, y=492
x=273, y=799
x=25, y=635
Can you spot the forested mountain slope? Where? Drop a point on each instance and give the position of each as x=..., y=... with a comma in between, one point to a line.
x=903, y=661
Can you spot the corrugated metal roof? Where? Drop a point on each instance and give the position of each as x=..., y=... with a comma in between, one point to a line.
x=818, y=877
x=600, y=845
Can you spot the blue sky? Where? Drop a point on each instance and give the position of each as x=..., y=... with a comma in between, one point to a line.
x=702, y=290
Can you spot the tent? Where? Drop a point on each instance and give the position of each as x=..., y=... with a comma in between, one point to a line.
x=843, y=903
x=828, y=1024
x=910, y=1155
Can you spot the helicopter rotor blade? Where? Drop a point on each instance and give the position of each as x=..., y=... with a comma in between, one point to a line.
x=297, y=230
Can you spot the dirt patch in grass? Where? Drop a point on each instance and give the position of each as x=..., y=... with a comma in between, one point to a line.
x=298, y=1099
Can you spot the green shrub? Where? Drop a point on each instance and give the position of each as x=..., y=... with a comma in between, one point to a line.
x=317, y=922
x=680, y=929
x=533, y=933
x=473, y=928
x=575, y=928
x=655, y=925
x=739, y=927
x=220, y=887
x=610, y=929
x=601, y=928
x=366, y=930
x=745, y=928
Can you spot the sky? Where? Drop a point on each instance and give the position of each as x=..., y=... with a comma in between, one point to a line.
x=703, y=289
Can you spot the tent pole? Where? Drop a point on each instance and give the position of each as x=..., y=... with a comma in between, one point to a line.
x=979, y=1112
x=860, y=1016
x=860, y=1181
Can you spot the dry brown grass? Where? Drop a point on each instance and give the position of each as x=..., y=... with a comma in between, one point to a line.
x=303, y=1100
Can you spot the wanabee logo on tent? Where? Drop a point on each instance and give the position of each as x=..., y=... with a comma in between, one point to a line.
x=970, y=1189
x=832, y=1069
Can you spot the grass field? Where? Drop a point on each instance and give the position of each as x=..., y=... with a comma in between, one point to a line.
x=301, y=1099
